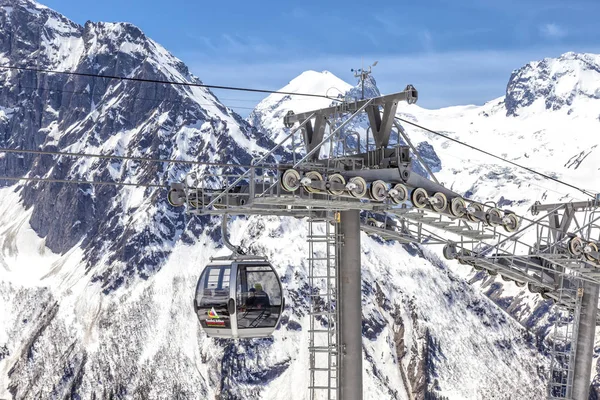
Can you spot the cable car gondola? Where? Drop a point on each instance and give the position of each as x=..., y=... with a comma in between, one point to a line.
x=239, y=296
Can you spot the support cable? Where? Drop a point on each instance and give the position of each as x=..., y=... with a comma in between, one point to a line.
x=125, y=158
x=80, y=182
x=136, y=98
x=587, y=193
x=175, y=83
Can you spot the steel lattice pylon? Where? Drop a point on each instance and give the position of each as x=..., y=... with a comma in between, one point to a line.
x=322, y=167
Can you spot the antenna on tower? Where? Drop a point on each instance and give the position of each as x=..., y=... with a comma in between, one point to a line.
x=362, y=74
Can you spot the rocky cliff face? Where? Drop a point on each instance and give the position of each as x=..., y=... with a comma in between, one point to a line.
x=568, y=83
x=97, y=115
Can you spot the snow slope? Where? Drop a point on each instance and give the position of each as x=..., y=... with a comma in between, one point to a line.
x=96, y=281
x=418, y=315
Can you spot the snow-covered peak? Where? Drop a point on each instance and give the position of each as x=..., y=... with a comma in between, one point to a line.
x=88, y=114
x=59, y=38
x=311, y=82
x=31, y=5
x=127, y=42
x=314, y=82
x=365, y=90
x=569, y=83
x=34, y=11
x=269, y=113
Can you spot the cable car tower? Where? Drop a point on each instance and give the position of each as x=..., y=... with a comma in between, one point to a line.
x=343, y=183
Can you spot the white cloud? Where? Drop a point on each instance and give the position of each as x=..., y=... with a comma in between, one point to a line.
x=228, y=45
x=426, y=40
x=552, y=31
x=299, y=13
x=390, y=24
x=208, y=43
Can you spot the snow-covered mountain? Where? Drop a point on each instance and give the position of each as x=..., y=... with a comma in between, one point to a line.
x=96, y=282
x=269, y=113
x=569, y=83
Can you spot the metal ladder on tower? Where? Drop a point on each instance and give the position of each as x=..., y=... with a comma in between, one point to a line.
x=564, y=344
x=323, y=266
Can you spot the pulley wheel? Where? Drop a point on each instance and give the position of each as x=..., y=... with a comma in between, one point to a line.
x=534, y=289
x=449, y=252
x=458, y=207
x=519, y=284
x=378, y=190
x=402, y=194
x=575, y=246
x=492, y=272
x=593, y=248
x=313, y=176
x=290, y=181
x=419, y=198
x=493, y=212
x=360, y=187
x=512, y=224
x=441, y=201
x=176, y=197
x=478, y=208
x=505, y=278
x=336, y=178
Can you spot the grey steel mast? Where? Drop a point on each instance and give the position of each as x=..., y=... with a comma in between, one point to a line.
x=350, y=303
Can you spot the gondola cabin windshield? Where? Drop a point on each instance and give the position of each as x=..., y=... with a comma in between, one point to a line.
x=239, y=299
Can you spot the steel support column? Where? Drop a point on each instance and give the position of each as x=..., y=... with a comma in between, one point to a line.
x=585, y=341
x=349, y=301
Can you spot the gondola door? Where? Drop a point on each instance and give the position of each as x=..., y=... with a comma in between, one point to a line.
x=214, y=303
x=259, y=300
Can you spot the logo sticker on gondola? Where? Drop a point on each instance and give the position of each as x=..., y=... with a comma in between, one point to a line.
x=214, y=319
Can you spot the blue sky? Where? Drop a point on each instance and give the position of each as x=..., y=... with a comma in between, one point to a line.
x=453, y=51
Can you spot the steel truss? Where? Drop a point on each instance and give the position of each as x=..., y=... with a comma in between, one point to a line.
x=323, y=167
